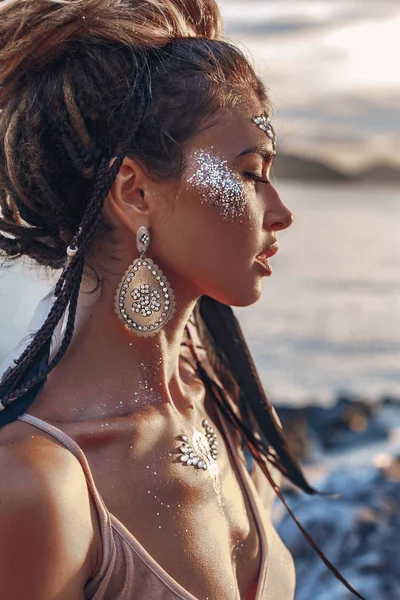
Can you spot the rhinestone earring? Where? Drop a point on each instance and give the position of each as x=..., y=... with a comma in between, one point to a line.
x=144, y=299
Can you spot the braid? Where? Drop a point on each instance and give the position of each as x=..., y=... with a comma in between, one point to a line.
x=68, y=285
x=47, y=194
x=11, y=137
x=30, y=234
x=41, y=337
x=47, y=190
x=19, y=130
x=81, y=159
x=92, y=213
x=69, y=280
x=75, y=115
x=8, y=211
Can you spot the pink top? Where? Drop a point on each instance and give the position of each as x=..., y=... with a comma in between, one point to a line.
x=128, y=572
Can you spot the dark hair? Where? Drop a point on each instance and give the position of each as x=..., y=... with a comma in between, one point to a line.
x=87, y=81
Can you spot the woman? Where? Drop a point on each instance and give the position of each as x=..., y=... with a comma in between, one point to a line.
x=135, y=156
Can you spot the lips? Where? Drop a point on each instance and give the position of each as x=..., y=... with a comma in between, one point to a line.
x=270, y=251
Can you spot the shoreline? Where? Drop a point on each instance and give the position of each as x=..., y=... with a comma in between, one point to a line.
x=352, y=450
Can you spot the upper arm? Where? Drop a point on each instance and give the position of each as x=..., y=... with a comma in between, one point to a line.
x=41, y=555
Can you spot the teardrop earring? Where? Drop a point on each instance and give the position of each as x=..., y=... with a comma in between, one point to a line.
x=144, y=299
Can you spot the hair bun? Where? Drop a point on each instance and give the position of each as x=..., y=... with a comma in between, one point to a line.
x=34, y=33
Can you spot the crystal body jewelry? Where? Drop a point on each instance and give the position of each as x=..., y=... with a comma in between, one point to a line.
x=263, y=122
x=201, y=451
x=144, y=300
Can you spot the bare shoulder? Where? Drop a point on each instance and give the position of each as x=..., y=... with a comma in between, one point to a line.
x=45, y=519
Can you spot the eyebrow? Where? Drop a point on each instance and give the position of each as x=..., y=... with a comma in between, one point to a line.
x=267, y=156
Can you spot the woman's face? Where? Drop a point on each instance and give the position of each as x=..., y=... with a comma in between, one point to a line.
x=224, y=213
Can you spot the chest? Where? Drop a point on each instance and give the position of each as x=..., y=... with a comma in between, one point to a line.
x=198, y=528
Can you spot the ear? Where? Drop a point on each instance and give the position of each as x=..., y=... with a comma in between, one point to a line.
x=126, y=201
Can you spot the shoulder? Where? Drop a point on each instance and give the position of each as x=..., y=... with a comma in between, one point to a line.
x=45, y=525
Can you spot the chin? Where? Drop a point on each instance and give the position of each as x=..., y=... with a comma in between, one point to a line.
x=245, y=296
x=249, y=299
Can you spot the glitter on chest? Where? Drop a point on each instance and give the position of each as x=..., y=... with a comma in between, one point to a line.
x=218, y=185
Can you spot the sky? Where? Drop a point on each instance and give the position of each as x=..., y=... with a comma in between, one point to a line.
x=332, y=71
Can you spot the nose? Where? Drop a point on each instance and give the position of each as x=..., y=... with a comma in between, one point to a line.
x=277, y=215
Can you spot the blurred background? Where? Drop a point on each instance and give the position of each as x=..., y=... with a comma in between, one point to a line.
x=326, y=333
x=331, y=311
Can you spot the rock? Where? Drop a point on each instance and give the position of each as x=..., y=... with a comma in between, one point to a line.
x=359, y=533
x=347, y=424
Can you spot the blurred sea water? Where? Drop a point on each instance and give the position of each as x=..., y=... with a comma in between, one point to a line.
x=328, y=321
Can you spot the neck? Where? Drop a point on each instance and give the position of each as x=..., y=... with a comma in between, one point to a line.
x=114, y=372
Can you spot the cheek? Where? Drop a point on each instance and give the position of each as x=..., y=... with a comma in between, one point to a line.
x=212, y=257
x=218, y=186
x=210, y=233
x=212, y=251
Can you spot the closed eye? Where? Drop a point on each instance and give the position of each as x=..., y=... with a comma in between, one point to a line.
x=249, y=175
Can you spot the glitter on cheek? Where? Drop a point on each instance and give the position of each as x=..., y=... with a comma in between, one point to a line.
x=218, y=185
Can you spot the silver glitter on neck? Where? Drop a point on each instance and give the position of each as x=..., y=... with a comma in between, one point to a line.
x=219, y=185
